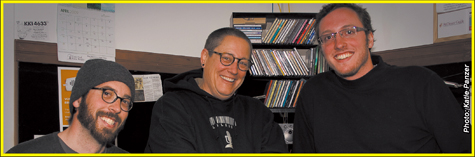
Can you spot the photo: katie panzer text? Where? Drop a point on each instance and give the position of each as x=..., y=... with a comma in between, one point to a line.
x=466, y=97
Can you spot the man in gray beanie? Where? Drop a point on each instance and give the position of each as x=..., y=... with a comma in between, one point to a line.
x=102, y=96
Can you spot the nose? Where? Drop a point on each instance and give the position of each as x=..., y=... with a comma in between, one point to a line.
x=115, y=106
x=339, y=42
x=233, y=68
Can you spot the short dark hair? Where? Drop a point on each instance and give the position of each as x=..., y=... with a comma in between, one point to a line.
x=73, y=109
x=217, y=36
x=360, y=11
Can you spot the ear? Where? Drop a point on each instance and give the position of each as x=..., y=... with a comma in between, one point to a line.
x=77, y=102
x=370, y=40
x=204, y=57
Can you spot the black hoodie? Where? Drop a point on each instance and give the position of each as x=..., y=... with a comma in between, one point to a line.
x=188, y=119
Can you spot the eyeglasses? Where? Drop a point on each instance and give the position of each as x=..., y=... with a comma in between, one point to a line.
x=110, y=96
x=228, y=59
x=344, y=33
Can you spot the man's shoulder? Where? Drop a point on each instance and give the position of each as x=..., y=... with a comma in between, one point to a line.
x=248, y=100
x=176, y=95
x=180, y=98
x=321, y=78
x=115, y=149
x=45, y=144
x=412, y=71
x=411, y=68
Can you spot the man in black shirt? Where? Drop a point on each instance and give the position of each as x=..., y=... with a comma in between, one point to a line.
x=366, y=105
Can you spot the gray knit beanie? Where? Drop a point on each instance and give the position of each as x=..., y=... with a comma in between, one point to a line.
x=98, y=71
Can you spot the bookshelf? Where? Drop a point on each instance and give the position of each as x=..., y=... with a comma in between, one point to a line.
x=281, y=65
x=288, y=24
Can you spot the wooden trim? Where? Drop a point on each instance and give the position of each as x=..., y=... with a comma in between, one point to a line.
x=43, y=52
x=438, y=53
x=153, y=62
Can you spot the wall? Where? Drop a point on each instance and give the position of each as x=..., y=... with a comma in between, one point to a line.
x=181, y=24
x=8, y=76
x=181, y=29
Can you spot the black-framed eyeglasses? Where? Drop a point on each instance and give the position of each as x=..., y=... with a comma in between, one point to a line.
x=228, y=59
x=110, y=96
x=344, y=33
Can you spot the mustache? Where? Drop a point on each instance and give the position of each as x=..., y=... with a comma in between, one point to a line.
x=111, y=115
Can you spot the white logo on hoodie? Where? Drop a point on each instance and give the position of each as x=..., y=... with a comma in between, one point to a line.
x=229, y=140
x=222, y=121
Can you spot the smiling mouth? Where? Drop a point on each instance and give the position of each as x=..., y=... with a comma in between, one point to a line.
x=227, y=78
x=343, y=56
x=108, y=120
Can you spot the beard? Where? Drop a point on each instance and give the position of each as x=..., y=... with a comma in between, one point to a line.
x=89, y=121
x=355, y=70
x=359, y=64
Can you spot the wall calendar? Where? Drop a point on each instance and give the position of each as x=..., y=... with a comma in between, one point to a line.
x=86, y=31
